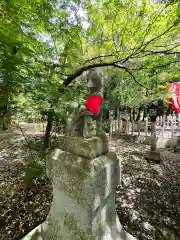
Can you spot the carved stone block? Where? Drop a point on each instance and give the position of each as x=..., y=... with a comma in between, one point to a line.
x=91, y=147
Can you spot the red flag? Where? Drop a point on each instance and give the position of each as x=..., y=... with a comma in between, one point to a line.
x=174, y=89
x=175, y=103
x=93, y=103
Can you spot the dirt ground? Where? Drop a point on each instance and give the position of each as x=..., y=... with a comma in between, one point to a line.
x=21, y=209
x=148, y=198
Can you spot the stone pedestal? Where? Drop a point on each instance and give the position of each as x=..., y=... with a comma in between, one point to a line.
x=84, y=177
x=84, y=184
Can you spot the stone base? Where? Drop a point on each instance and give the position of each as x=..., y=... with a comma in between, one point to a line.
x=38, y=232
x=84, y=176
x=84, y=190
x=90, y=148
x=154, y=156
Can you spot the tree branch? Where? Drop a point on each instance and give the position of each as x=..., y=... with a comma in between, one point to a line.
x=130, y=73
x=63, y=74
x=162, y=34
x=149, y=68
x=142, y=47
x=121, y=62
x=151, y=52
x=160, y=52
x=147, y=30
x=70, y=78
x=100, y=56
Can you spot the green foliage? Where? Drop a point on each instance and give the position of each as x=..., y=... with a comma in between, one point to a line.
x=34, y=170
x=46, y=45
x=106, y=126
x=43, y=52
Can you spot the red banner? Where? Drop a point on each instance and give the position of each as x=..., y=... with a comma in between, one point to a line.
x=174, y=90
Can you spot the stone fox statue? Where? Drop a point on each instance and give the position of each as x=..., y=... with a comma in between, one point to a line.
x=95, y=85
x=80, y=117
x=78, y=121
x=95, y=82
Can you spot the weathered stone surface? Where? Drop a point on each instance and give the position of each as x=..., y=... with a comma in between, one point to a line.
x=84, y=198
x=90, y=148
x=84, y=189
x=84, y=192
x=121, y=234
x=161, y=142
x=154, y=156
x=83, y=178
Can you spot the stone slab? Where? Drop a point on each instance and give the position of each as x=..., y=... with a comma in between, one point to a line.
x=161, y=142
x=90, y=148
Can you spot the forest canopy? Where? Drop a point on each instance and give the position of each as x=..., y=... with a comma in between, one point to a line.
x=46, y=45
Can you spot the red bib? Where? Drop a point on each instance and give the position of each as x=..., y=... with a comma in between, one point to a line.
x=93, y=103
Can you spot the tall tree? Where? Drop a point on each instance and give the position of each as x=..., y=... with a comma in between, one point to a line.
x=57, y=41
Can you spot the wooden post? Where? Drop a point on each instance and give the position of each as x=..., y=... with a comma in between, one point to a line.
x=139, y=128
x=162, y=128
x=110, y=129
x=153, y=136
x=120, y=126
x=174, y=124
x=172, y=128
x=132, y=127
x=127, y=124
x=111, y=124
x=153, y=118
x=169, y=117
x=179, y=119
x=115, y=127
x=174, y=119
x=125, y=127
x=118, y=120
x=146, y=126
x=157, y=121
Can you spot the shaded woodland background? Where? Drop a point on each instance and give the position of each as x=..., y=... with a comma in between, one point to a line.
x=46, y=50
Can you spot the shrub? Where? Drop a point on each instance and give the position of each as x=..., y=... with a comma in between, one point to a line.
x=34, y=170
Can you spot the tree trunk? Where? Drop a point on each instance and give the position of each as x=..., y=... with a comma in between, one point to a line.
x=4, y=118
x=48, y=130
